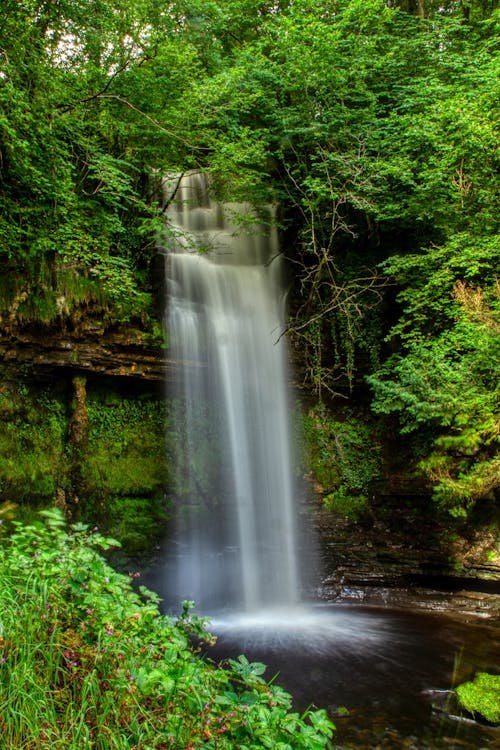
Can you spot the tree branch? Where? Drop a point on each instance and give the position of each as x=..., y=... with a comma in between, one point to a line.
x=150, y=119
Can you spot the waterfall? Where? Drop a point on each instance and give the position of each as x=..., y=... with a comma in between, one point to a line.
x=235, y=534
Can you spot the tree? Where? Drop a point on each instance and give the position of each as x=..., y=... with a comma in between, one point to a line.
x=79, y=144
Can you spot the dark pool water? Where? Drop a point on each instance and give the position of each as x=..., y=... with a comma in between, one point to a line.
x=391, y=670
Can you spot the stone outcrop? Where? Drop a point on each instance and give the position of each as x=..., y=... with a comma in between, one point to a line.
x=118, y=351
x=402, y=560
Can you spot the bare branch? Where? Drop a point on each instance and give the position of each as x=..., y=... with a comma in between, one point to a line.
x=150, y=119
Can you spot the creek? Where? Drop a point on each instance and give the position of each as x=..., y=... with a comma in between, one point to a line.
x=385, y=676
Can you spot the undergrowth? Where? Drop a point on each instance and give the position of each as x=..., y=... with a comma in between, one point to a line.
x=344, y=459
x=86, y=662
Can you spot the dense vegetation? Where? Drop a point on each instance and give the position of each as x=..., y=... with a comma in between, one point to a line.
x=480, y=696
x=373, y=123
x=116, y=475
x=85, y=661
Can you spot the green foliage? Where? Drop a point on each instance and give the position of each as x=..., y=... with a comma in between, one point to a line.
x=53, y=292
x=134, y=521
x=33, y=461
x=379, y=130
x=125, y=453
x=344, y=460
x=87, y=661
x=117, y=477
x=124, y=468
x=348, y=505
x=481, y=696
x=428, y=282
x=449, y=384
x=77, y=224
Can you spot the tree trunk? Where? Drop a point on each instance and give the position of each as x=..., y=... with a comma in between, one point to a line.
x=79, y=422
x=466, y=11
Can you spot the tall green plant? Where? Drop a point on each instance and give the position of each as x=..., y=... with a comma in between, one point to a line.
x=449, y=385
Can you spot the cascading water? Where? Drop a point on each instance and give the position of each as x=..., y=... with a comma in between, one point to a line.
x=236, y=527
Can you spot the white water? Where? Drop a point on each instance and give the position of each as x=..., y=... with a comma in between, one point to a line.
x=236, y=542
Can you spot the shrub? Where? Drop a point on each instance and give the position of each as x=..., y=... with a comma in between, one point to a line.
x=344, y=458
x=350, y=506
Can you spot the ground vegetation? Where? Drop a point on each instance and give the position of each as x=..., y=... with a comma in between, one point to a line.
x=86, y=660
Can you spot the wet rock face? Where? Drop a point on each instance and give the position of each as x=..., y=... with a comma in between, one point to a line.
x=405, y=560
x=123, y=351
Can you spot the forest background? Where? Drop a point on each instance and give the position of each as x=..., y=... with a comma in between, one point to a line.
x=373, y=125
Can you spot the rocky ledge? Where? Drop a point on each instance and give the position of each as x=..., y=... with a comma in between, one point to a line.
x=404, y=562
x=118, y=351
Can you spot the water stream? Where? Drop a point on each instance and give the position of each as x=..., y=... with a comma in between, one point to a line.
x=385, y=676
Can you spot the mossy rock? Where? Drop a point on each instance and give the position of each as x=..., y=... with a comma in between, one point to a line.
x=133, y=542
x=350, y=506
x=136, y=522
x=481, y=696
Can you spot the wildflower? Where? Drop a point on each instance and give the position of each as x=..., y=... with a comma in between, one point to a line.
x=109, y=631
x=136, y=615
